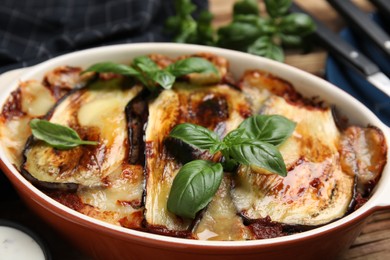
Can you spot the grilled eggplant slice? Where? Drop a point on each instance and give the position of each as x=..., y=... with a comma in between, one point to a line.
x=96, y=113
x=316, y=190
x=31, y=99
x=219, y=108
x=363, y=154
x=220, y=220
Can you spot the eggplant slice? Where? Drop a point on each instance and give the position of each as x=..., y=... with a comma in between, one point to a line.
x=220, y=221
x=219, y=108
x=316, y=190
x=96, y=113
x=31, y=99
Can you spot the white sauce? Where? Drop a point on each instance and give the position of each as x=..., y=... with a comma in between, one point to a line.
x=15, y=245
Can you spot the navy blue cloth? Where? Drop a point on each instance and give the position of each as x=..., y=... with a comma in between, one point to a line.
x=355, y=84
x=32, y=31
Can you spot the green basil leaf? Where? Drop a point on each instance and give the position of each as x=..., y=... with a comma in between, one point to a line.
x=182, y=25
x=194, y=187
x=163, y=78
x=273, y=129
x=58, y=136
x=217, y=147
x=259, y=154
x=277, y=8
x=264, y=47
x=184, y=7
x=195, y=135
x=172, y=23
x=205, y=31
x=112, y=67
x=238, y=35
x=264, y=25
x=297, y=24
x=145, y=63
x=246, y=7
x=291, y=40
x=191, y=65
x=234, y=136
x=187, y=31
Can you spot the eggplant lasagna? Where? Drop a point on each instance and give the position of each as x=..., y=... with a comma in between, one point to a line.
x=126, y=179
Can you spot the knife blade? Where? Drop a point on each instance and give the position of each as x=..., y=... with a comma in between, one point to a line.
x=363, y=23
x=348, y=54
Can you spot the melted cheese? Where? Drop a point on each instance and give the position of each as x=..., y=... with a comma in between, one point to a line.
x=220, y=220
x=99, y=114
x=316, y=190
x=36, y=99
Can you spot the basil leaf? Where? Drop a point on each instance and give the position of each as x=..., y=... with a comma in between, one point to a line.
x=163, y=78
x=291, y=40
x=260, y=154
x=246, y=7
x=277, y=8
x=217, y=147
x=57, y=136
x=264, y=47
x=296, y=24
x=151, y=73
x=235, y=136
x=145, y=63
x=112, y=67
x=273, y=129
x=265, y=26
x=205, y=31
x=191, y=65
x=195, y=135
x=238, y=35
x=194, y=187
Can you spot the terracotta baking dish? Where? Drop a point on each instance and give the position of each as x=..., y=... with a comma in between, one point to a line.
x=106, y=241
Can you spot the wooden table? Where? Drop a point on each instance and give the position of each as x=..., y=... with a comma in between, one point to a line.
x=374, y=241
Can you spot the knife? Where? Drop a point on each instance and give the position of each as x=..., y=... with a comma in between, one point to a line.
x=348, y=54
x=383, y=6
x=363, y=23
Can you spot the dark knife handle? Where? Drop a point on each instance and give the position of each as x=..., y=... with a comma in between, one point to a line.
x=339, y=48
x=383, y=6
x=362, y=22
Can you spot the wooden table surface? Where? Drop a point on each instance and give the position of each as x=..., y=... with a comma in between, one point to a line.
x=374, y=241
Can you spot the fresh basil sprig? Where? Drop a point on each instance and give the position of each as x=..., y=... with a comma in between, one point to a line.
x=265, y=35
x=186, y=28
x=253, y=143
x=57, y=136
x=249, y=31
x=149, y=74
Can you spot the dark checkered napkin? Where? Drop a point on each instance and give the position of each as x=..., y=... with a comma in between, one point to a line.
x=32, y=31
